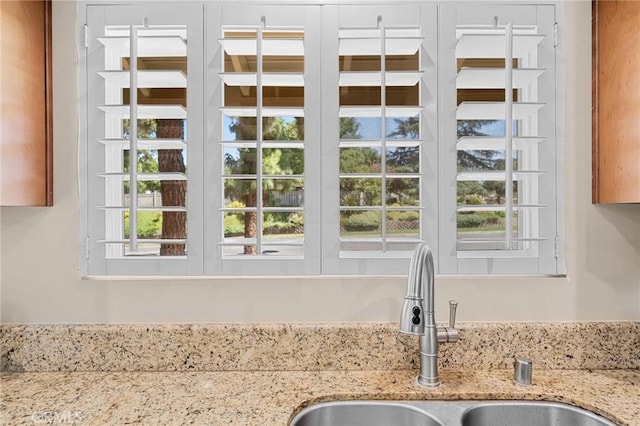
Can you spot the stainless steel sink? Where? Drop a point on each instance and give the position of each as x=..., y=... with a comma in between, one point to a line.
x=364, y=413
x=446, y=413
x=530, y=414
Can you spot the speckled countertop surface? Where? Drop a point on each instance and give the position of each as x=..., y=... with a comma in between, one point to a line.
x=261, y=374
x=272, y=397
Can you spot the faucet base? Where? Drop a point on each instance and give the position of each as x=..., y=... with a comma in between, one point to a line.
x=427, y=382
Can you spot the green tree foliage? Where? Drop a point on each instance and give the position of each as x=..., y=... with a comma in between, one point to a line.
x=359, y=160
x=467, y=189
x=147, y=159
x=408, y=128
x=404, y=160
x=475, y=159
x=473, y=193
x=275, y=161
x=367, y=191
x=478, y=160
x=349, y=128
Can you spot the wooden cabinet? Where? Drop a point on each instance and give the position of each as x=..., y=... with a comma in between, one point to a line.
x=616, y=101
x=26, y=155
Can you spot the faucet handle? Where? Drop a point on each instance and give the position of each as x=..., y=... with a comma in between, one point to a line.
x=449, y=334
x=453, y=306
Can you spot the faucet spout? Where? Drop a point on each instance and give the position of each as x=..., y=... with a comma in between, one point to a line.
x=418, y=315
x=412, y=318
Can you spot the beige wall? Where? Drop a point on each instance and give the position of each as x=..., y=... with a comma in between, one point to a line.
x=40, y=254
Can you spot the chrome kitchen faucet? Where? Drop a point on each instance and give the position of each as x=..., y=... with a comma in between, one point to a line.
x=418, y=315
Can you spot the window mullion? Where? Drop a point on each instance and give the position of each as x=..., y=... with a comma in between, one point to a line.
x=508, y=102
x=211, y=151
x=447, y=262
x=259, y=135
x=133, y=138
x=383, y=139
x=196, y=171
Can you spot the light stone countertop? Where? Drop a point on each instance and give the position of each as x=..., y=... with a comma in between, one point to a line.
x=272, y=397
x=262, y=374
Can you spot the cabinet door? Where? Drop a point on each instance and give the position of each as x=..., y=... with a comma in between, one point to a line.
x=25, y=113
x=616, y=101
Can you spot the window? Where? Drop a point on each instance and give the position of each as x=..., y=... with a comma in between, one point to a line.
x=263, y=142
x=379, y=138
x=234, y=139
x=385, y=135
x=143, y=75
x=264, y=80
x=502, y=107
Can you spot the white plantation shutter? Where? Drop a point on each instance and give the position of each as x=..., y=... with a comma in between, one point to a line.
x=319, y=139
x=140, y=71
x=386, y=86
x=268, y=72
x=505, y=143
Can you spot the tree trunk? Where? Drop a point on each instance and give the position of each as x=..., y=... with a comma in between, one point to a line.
x=174, y=192
x=250, y=222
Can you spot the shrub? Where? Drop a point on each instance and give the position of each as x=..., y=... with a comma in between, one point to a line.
x=364, y=221
x=491, y=218
x=296, y=219
x=280, y=228
x=471, y=220
x=237, y=205
x=403, y=215
x=350, y=199
x=473, y=199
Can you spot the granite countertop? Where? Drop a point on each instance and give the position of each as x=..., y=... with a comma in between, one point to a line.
x=272, y=397
x=262, y=374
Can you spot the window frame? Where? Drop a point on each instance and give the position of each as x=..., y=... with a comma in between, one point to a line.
x=322, y=218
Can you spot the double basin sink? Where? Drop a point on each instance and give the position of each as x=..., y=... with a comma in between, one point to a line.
x=446, y=413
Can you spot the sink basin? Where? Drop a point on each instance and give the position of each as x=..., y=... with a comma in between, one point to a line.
x=364, y=413
x=530, y=414
x=446, y=413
